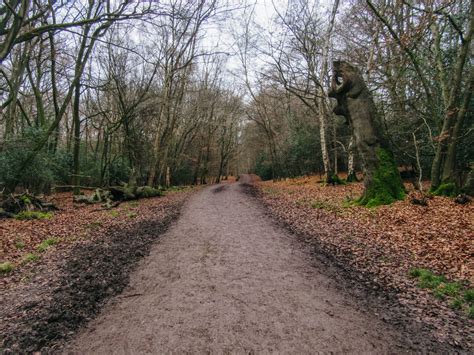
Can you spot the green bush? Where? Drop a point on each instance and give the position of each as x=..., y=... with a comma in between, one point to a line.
x=38, y=175
x=263, y=167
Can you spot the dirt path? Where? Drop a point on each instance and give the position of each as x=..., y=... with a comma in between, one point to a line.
x=224, y=279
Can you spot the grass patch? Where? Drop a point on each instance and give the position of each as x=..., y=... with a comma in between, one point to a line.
x=30, y=257
x=45, y=244
x=25, y=215
x=451, y=289
x=19, y=244
x=132, y=215
x=456, y=303
x=443, y=289
x=114, y=214
x=133, y=204
x=6, y=267
x=469, y=296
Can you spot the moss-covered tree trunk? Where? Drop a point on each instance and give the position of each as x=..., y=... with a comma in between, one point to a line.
x=382, y=181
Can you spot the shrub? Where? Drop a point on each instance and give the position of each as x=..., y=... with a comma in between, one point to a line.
x=263, y=167
x=38, y=176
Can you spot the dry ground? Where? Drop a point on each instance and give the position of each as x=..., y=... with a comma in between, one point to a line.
x=382, y=245
x=226, y=279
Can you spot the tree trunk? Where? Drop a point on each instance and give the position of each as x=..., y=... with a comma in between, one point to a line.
x=351, y=174
x=382, y=181
x=77, y=139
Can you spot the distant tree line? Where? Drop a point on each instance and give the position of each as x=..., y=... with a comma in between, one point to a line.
x=416, y=58
x=102, y=93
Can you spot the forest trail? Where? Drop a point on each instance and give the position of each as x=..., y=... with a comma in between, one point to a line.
x=225, y=278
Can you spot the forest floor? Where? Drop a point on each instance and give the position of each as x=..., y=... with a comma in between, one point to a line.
x=66, y=267
x=226, y=277
x=384, y=246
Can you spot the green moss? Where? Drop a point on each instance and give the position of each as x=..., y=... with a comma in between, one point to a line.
x=132, y=215
x=6, y=267
x=115, y=214
x=19, y=244
x=386, y=186
x=447, y=189
x=45, y=244
x=25, y=199
x=24, y=215
x=147, y=191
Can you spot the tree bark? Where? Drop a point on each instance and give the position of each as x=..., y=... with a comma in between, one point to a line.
x=382, y=182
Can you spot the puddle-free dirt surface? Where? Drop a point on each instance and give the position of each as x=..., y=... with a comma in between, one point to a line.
x=225, y=278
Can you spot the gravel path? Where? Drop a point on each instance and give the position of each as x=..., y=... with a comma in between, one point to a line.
x=225, y=278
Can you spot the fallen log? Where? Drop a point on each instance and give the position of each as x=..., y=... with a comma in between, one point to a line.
x=12, y=205
x=114, y=195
